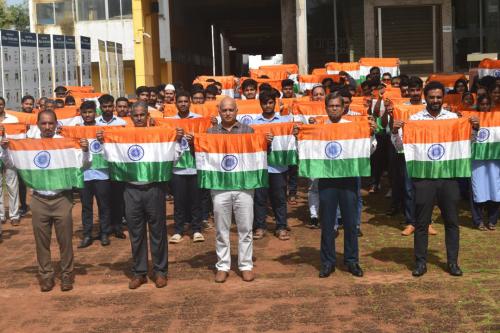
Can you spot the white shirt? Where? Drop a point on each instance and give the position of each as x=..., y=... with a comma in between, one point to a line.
x=115, y=121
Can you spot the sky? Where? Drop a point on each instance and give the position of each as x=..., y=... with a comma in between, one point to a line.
x=14, y=2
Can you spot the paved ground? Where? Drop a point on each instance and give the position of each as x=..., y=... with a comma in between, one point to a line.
x=286, y=296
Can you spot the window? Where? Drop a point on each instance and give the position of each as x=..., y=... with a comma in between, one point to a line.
x=89, y=10
x=114, y=9
x=45, y=13
x=126, y=8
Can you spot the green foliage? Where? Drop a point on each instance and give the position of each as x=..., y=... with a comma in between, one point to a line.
x=14, y=17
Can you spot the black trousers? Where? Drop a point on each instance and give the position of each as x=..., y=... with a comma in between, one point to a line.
x=117, y=205
x=187, y=202
x=447, y=195
x=379, y=160
x=277, y=193
x=22, y=193
x=100, y=189
x=145, y=209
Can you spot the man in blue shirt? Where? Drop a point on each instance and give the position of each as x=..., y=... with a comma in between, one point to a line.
x=277, y=178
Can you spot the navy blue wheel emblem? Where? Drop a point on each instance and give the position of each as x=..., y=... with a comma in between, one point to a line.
x=483, y=134
x=95, y=147
x=436, y=152
x=246, y=119
x=42, y=159
x=135, y=153
x=496, y=73
x=229, y=162
x=184, y=144
x=333, y=150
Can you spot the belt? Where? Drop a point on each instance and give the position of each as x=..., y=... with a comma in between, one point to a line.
x=143, y=187
x=50, y=197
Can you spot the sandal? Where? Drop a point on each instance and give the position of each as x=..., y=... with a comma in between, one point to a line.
x=283, y=234
x=292, y=200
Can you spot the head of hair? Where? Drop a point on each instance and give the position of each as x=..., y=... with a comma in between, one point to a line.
x=196, y=86
x=481, y=98
x=212, y=89
x=140, y=104
x=327, y=81
x=88, y=105
x=154, y=90
x=106, y=98
x=51, y=112
x=161, y=86
x=60, y=90
x=334, y=95
x=197, y=91
x=43, y=99
x=182, y=93
x=264, y=77
x=265, y=86
x=415, y=82
x=287, y=83
x=59, y=101
x=344, y=92
x=404, y=76
x=433, y=85
x=486, y=81
x=26, y=97
x=178, y=85
x=266, y=95
x=211, y=80
x=69, y=100
x=122, y=99
x=217, y=83
x=249, y=83
x=387, y=73
x=141, y=89
x=404, y=81
x=374, y=68
x=3, y=100
x=463, y=81
x=318, y=86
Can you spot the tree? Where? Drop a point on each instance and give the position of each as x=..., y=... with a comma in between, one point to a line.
x=14, y=17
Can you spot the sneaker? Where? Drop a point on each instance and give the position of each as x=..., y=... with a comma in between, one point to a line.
x=177, y=238
x=408, y=230
x=432, y=231
x=197, y=237
x=313, y=223
x=207, y=225
x=482, y=227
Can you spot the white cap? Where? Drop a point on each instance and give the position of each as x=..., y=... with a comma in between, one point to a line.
x=169, y=87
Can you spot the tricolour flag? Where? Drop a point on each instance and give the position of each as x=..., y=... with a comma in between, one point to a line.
x=231, y=161
x=487, y=143
x=489, y=67
x=95, y=147
x=437, y=149
x=284, y=146
x=337, y=150
x=140, y=154
x=48, y=164
x=14, y=131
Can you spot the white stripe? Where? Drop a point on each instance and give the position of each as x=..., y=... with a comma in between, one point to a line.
x=151, y=152
x=15, y=136
x=365, y=70
x=316, y=149
x=452, y=151
x=493, y=135
x=59, y=159
x=304, y=118
x=228, y=92
x=283, y=142
x=482, y=72
x=245, y=161
x=308, y=85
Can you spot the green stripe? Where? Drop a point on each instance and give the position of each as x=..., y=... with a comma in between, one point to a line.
x=52, y=179
x=486, y=151
x=186, y=161
x=354, y=167
x=246, y=180
x=98, y=162
x=282, y=157
x=141, y=172
x=439, y=169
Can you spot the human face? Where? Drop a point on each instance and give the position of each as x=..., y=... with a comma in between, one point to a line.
x=153, y=98
x=219, y=89
x=347, y=103
x=495, y=95
x=434, y=100
x=144, y=96
x=481, y=91
x=395, y=82
x=484, y=105
x=169, y=97
x=375, y=72
x=386, y=79
x=318, y=94
x=268, y=107
x=415, y=94
x=228, y=111
x=404, y=91
x=2, y=106
x=140, y=116
x=198, y=98
x=50, y=106
x=287, y=91
x=88, y=116
x=47, y=125
x=60, y=95
x=367, y=91
x=59, y=104
x=460, y=88
x=334, y=109
x=210, y=97
x=182, y=103
x=107, y=110
x=250, y=92
x=122, y=109
x=468, y=100
x=27, y=105
x=41, y=104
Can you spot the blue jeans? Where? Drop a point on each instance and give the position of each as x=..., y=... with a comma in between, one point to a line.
x=342, y=192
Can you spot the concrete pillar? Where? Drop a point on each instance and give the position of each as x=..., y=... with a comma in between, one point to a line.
x=288, y=32
x=447, y=50
x=369, y=16
x=301, y=19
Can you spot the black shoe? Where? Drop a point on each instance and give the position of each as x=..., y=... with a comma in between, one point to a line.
x=355, y=269
x=392, y=212
x=46, y=285
x=105, y=240
x=454, y=270
x=420, y=270
x=86, y=242
x=120, y=234
x=326, y=270
x=23, y=211
x=66, y=283
x=360, y=234
x=336, y=233
x=314, y=223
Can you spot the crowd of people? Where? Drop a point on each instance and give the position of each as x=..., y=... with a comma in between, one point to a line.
x=333, y=203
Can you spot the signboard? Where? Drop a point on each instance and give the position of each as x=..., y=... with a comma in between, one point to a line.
x=103, y=67
x=45, y=65
x=58, y=60
x=71, y=61
x=11, y=68
x=85, y=62
x=121, y=73
x=112, y=67
x=29, y=65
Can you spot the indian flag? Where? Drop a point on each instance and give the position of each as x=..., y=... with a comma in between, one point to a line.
x=284, y=146
x=489, y=67
x=14, y=131
x=386, y=65
x=487, y=143
x=337, y=150
x=95, y=147
x=437, y=149
x=303, y=110
x=231, y=161
x=48, y=164
x=140, y=154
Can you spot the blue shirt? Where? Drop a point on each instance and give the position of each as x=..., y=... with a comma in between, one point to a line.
x=259, y=120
